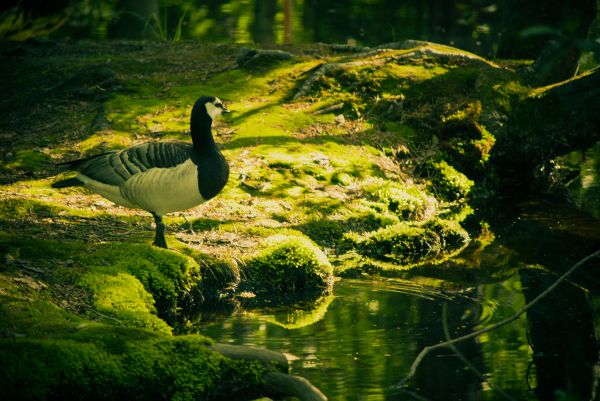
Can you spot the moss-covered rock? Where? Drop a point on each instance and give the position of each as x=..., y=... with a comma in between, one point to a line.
x=290, y=264
x=138, y=283
x=409, y=243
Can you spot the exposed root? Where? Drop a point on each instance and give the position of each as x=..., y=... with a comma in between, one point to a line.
x=268, y=357
x=275, y=384
x=389, y=53
x=280, y=385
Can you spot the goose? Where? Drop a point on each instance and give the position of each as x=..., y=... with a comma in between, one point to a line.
x=159, y=177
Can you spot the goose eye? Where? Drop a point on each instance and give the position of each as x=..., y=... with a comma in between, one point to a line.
x=219, y=105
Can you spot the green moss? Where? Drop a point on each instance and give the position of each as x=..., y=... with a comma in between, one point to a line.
x=290, y=264
x=407, y=202
x=464, y=118
x=407, y=244
x=451, y=235
x=123, y=297
x=128, y=280
x=219, y=275
x=468, y=144
x=447, y=182
x=29, y=160
x=120, y=364
x=341, y=178
x=103, y=141
x=15, y=209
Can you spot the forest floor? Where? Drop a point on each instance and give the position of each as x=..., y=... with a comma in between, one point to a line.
x=336, y=164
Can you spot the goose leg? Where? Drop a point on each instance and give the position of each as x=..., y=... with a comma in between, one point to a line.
x=159, y=238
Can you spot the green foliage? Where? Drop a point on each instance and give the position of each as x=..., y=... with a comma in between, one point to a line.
x=290, y=264
x=161, y=28
x=447, y=182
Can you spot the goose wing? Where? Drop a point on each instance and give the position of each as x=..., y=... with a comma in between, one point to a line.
x=114, y=168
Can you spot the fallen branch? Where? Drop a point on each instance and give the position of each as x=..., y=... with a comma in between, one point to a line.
x=464, y=359
x=450, y=343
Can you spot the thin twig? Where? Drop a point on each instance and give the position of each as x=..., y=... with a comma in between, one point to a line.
x=464, y=359
x=428, y=349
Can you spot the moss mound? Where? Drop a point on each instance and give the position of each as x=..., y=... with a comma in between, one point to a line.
x=447, y=182
x=405, y=243
x=290, y=264
x=136, y=284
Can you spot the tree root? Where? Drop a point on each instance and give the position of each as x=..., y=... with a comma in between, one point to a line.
x=280, y=385
x=275, y=384
x=389, y=52
x=267, y=357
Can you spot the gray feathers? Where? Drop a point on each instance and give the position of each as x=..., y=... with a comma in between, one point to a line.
x=114, y=168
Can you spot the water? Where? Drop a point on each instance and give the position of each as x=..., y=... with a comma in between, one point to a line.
x=359, y=343
x=584, y=187
x=473, y=25
x=371, y=333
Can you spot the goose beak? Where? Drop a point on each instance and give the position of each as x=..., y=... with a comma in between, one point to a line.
x=226, y=110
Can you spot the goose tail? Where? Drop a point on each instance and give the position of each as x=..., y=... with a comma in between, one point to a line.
x=69, y=182
x=78, y=162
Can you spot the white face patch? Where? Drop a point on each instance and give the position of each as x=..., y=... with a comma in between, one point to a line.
x=212, y=110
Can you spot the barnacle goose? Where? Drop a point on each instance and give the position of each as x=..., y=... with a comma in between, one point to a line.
x=160, y=177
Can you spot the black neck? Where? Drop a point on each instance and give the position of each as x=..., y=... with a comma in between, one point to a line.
x=200, y=127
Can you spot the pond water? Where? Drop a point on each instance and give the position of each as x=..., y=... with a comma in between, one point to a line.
x=584, y=187
x=473, y=25
x=360, y=342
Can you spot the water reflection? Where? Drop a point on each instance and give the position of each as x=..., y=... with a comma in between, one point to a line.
x=563, y=339
x=584, y=186
x=471, y=24
x=370, y=333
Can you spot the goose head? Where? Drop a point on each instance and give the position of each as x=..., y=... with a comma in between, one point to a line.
x=208, y=106
x=205, y=110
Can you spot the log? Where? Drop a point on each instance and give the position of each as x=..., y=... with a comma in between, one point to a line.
x=550, y=122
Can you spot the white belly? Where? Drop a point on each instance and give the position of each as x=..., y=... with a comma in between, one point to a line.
x=164, y=190
x=110, y=192
x=158, y=190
